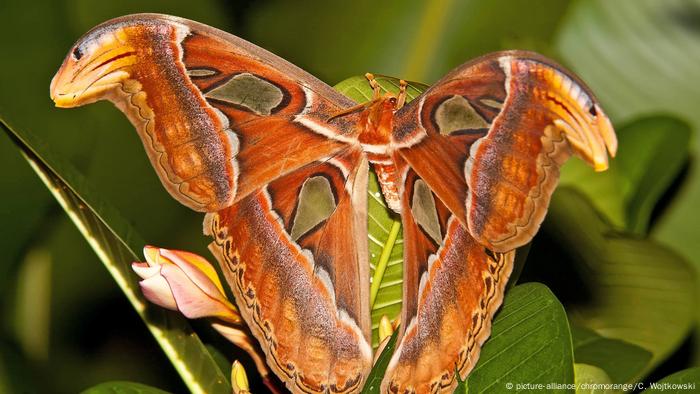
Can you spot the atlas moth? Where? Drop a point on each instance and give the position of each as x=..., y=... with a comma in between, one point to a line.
x=279, y=162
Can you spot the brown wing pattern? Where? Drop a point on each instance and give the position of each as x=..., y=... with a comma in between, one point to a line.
x=452, y=288
x=210, y=108
x=276, y=113
x=492, y=135
x=295, y=255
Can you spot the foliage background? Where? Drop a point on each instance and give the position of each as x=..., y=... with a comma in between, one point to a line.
x=63, y=319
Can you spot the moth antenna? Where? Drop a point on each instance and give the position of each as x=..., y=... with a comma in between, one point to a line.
x=402, y=94
x=374, y=84
x=348, y=111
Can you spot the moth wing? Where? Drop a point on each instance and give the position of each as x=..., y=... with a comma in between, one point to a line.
x=219, y=117
x=452, y=288
x=490, y=137
x=295, y=254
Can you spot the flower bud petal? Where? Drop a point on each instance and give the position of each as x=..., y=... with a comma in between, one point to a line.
x=198, y=270
x=144, y=270
x=186, y=282
x=239, y=379
x=385, y=328
x=157, y=290
x=151, y=253
x=191, y=300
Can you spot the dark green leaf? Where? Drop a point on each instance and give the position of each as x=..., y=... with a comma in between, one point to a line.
x=682, y=382
x=462, y=387
x=620, y=361
x=117, y=246
x=530, y=343
x=220, y=360
x=640, y=292
x=123, y=388
x=374, y=379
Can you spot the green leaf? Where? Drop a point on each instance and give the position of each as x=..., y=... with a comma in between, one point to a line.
x=220, y=359
x=639, y=57
x=374, y=379
x=640, y=292
x=462, y=387
x=386, y=259
x=530, y=343
x=652, y=152
x=620, y=361
x=117, y=246
x=587, y=375
x=682, y=382
x=384, y=226
x=120, y=387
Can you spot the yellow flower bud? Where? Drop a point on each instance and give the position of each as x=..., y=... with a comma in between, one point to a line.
x=239, y=379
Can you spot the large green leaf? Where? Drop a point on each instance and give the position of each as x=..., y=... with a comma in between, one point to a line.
x=682, y=382
x=384, y=226
x=530, y=343
x=117, y=246
x=620, y=361
x=635, y=289
x=652, y=152
x=386, y=258
x=641, y=56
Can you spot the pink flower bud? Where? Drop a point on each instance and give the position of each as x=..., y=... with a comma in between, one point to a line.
x=184, y=282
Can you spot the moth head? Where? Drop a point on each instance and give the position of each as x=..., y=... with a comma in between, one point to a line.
x=391, y=102
x=381, y=110
x=97, y=65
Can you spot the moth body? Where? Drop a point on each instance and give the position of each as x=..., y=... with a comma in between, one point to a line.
x=376, y=126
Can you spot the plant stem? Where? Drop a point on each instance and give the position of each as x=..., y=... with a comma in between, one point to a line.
x=383, y=261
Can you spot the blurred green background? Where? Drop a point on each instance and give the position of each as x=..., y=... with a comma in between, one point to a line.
x=65, y=326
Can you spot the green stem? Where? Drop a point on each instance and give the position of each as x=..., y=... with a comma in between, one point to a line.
x=383, y=262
